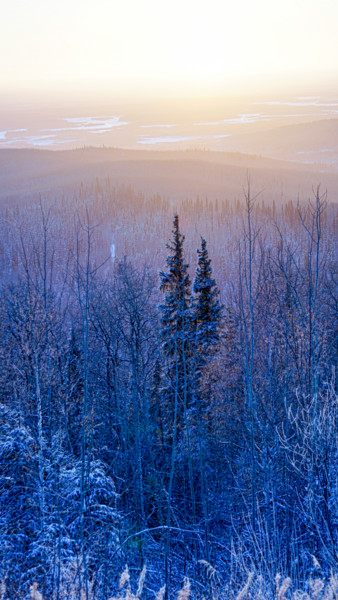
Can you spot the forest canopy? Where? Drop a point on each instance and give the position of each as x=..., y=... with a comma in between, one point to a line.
x=173, y=405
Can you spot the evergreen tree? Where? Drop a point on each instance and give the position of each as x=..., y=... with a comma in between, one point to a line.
x=176, y=284
x=175, y=320
x=207, y=311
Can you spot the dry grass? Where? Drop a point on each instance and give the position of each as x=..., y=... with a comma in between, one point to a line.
x=125, y=592
x=3, y=589
x=243, y=592
x=253, y=589
x=316, y=589
x=185, y=591
x=34, y=592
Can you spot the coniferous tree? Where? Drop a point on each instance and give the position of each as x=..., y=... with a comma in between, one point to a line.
x=176, y=284
x=176, y=348
x=176, y=318
x=207, y=311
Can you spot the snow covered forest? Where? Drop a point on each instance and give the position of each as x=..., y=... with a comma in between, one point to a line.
x=152, y=412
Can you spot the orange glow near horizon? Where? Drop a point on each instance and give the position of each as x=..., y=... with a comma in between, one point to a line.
x=166, y=48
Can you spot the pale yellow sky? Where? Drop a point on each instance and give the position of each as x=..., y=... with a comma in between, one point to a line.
x=168, y=46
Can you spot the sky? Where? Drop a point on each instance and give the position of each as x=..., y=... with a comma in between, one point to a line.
x=173, y=47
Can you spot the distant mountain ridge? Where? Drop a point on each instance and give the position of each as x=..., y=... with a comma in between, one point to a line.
x=171, y=173
x=293, y=142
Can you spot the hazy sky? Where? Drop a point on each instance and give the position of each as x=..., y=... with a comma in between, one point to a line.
x=180, y=46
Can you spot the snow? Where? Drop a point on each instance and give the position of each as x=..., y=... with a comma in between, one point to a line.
x=240, y=119
x=168, y=139
x=167, y=125
x=40, y=140
x=4, y=136
x=92, y=124
x=298, y=103
x=84, y=127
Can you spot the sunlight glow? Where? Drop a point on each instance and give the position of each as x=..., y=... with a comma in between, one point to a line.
x=176, y=45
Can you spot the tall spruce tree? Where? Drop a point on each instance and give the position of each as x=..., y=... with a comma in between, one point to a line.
x=176, y=320
x=177, y=287
x=177, y=350
x=207, y=311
